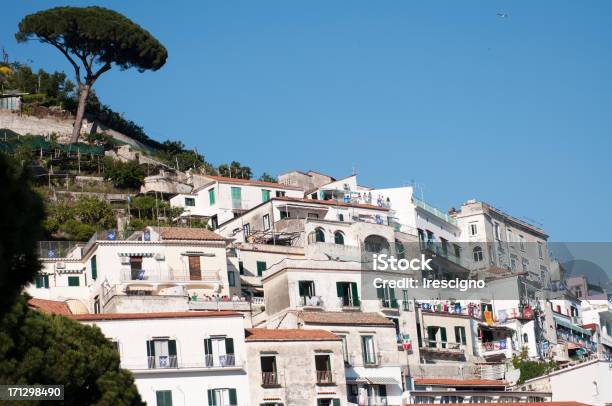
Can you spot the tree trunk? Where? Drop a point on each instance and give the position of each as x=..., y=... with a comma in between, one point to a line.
x=78, y=121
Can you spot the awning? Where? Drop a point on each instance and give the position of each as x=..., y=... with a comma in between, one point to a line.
x=567, y=324
x=381, y=380
x=136, y=254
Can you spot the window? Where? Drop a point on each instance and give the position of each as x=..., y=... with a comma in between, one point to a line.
x=460, y=335
x=481, y=399
x=236, y=198
x=74, y=281
x=190, y=201
x=219, y=351
x=340, y=217
x=525, y=263
x=96, y=306
x=339, y=238
x=522, y=242
x=214, y=222
x=328, y=402
x=265, y=195
x=42, y=281
x=211, y=196
x=319, y=235
x=164, y=397
x=348, y=294
x=314, y=196
x=513, y=259
x=306, y=290
x=451, y=399
x=473, y=228
x=509, y=399
x=424, y=400
x=367, y=348
x=437, y=337
x=94, y=268
x=477, y=251
x=261, y=267
x=323, y=368
x=231, y=278
x=387, y=298
x=497, y=231
x=280, y=193
x=406, y=301
x=541, y=250
x=284, y=214
x=268, y=371
x=241, y=267
x=510, y=238
x=312, y=215
x=246, y=229
x=222, y=397
x=345, y=353
x=162, y=353
x=525, y=338
x=266, y=222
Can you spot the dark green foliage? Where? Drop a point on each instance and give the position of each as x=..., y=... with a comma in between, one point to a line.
x=96, y=32
x=531, y=368
x=36, y=348
x=79, y=220
x=20, y=224
x=265, y=177
x=235, y=170
x=45, y=88
x=124, y=175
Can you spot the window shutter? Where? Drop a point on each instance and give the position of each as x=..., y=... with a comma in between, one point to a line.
x=355, y=294
x=339, y=289
x=232, y=397
x=241, y=267
x=211, y=397
x=336, y=402
x=382, y=390
x=380, y=293
x=150, y=348
x=94, y=268
x=46, y=281
x=301, y=288
x=443, y=333
x=207, y=346
x=229, y=346
x=172, y=348
x=39, y=281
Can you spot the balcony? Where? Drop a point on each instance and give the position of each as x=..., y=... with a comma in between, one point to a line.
x=165, y=276
x=325, y=377
x=220, y=361
x=430, y=209
x=443, y=347
x=162, y=362
x=269, y=379
x=311, y=301
x=235, y=305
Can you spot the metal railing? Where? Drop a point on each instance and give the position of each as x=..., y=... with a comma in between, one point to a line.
x=162, y=361
x=167, y=275
x=324, y=376
x=436, y=212
x=227, y=360
x=56, y=249
x=444, y=346
x=269, y=378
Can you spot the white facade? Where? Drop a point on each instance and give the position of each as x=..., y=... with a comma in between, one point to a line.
x=186, y=369
x=221, y=199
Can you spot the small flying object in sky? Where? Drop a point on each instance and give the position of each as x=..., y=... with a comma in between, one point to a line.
x=503, y=15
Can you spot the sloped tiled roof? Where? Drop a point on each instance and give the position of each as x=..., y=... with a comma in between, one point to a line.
x=293, y=334
x=459, y=382
x=251, y=182
x=50, y=306
x=330, y=203
x=183, y=233
x=158, y=315
x=359, y=318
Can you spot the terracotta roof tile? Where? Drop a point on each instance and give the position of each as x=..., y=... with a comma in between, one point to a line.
x=183, y=233
x=330, y=203
x=360, y=318
x=251, y=182
x=293, y=334
x=459, y=382
x=160, y=315
x=50, y=306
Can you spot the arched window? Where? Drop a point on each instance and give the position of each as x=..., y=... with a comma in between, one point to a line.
x=525, y=338
x=477, y=251
x=339, y=238
x=376, y=244
x=319, y=235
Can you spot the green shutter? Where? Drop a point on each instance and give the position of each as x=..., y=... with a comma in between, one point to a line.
x=355, y=294
x=211, y=196
x=443, y=336
x=46, y=281
x=261, y=267
x=211, y=397
x=380, y=293
x=39, y=281
x=265, y=195
x=207, y=346
x=150, y=348
x=241, y=267
x=232, y=397
x=73, y=281
x=339, y=289
x=229, y=346
x=301, y=288
x=172, y=348
x=164, y=397
x=394, y=304
x=336, y=402
x=94, y=268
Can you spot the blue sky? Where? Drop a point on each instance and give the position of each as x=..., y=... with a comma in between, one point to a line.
x=514, y=111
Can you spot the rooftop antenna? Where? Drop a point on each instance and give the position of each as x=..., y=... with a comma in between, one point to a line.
x=353, y=170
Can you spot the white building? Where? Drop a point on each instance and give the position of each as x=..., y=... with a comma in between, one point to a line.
x=220, y=199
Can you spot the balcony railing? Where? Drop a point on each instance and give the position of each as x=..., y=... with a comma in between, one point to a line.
x=436, y=212
x=348, y=301
x=325, y=376
x=269, y=378
x=167, y=275
x=312, y=301
x=162, y=361
x=227, y=360
x=443, y=346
